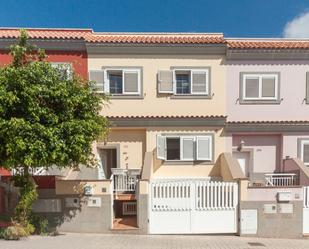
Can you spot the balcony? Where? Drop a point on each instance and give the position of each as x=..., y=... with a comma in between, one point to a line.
x=125, y=180
x=281, y=180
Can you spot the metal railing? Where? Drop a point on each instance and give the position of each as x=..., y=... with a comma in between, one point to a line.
x=125, y=180
x=32, y=171
x=281, y=179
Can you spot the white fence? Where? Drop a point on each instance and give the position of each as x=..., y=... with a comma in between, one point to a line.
x=193, y=206
x=306, y=210
x=125, y=180
x=281, y=179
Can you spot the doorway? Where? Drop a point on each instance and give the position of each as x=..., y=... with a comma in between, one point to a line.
x=243, y=158
x=108, y=159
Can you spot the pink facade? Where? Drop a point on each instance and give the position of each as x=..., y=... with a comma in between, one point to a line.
x=292, y=91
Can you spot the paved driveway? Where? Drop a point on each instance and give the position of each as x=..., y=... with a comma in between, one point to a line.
x=119, y=241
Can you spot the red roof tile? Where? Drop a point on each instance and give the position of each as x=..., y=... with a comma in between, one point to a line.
x=288, y=122
x=46, y=33
x=267, y=44
x=149, y=38
x=180, y=116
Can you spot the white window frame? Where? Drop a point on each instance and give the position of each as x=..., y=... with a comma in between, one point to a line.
x=195, y=147
x=303, y=142
x=191, y=71
x=123, y=71
x=67, y=65
x=260, y=78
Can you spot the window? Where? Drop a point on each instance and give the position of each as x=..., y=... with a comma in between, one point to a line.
x=65, y=69
x=184, y=148
x=184, y=81
x=260, y=87
x=117, y=82
x=304, y=151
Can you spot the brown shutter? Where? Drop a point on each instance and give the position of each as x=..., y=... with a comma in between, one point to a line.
x=131, y=82
x=269, y=87
x=165, y=81
x=97, y=76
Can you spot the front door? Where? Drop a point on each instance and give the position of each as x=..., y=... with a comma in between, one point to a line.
x=243, y=160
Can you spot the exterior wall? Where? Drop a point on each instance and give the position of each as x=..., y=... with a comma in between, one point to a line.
x=77, y=58
x=164, y=105
x=186, y=169
x=292, y=90
x=265, y=151
x=83, y=218
x=277, y=225
x=132, y=145
x=290, y=143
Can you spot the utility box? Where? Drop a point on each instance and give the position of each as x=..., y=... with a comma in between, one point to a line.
x=284, y=196
x=94, y=202
x=270, y=209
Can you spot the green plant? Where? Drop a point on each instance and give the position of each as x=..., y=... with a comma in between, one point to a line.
x=41, y=224
x=2, y=233
x=14, y=232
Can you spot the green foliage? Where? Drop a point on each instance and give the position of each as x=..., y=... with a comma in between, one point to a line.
x=14, y=232
x=28, y=195
x=2, y=230
x=46, y=119
x=41, y=225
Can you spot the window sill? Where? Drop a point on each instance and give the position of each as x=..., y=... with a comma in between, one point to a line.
x=197, y=163
x=191, y=96
x=260, y=102
x=126, y=96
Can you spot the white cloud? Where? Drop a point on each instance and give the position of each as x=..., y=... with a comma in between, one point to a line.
x=298, y=27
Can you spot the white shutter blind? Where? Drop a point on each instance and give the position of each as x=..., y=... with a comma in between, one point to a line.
x=165, y=81
x=204, y=148
x=131, y=81
x=307, y=87
x=251, y=87
x=269, y=87
x=187, y=148
x=200, y=81
x=98, y=77
x=161, y=147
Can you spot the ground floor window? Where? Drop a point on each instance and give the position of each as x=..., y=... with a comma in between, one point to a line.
x=185, y=147
x=304, y=151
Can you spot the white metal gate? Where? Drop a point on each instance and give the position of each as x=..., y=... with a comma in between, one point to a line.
x=182, y=206
x=306, y=210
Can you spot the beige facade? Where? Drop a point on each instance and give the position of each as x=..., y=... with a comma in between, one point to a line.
x=133, y=142
x=164, y=105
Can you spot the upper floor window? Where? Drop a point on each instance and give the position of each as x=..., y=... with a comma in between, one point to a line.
x=117, y=81
x=64, y=68
x=185, y=148
x=303, y=150
x=256, y=87
x=182, y=82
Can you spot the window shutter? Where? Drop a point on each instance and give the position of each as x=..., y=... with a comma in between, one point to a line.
x=187, y=148
x=251, y=87
x=131, y=82
x=269, y=87
x=307, y=87
x=161, y=147
x=165, y=81
x=98, y=77
x=306, y=153
x=200, y=82
x=204, y=148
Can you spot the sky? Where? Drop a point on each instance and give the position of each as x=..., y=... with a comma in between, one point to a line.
x=234, y=18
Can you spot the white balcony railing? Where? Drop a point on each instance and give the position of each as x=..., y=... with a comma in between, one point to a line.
x=32, y=171
x=281, y=179
x=125, y=180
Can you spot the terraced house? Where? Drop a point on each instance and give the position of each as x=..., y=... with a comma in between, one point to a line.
x=209, y=135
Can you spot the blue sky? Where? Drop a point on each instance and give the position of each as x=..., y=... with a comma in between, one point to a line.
x=235, y=18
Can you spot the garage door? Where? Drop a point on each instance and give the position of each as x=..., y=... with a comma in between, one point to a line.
x=184, y=206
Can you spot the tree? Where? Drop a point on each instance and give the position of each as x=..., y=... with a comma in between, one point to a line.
x=46, y=119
